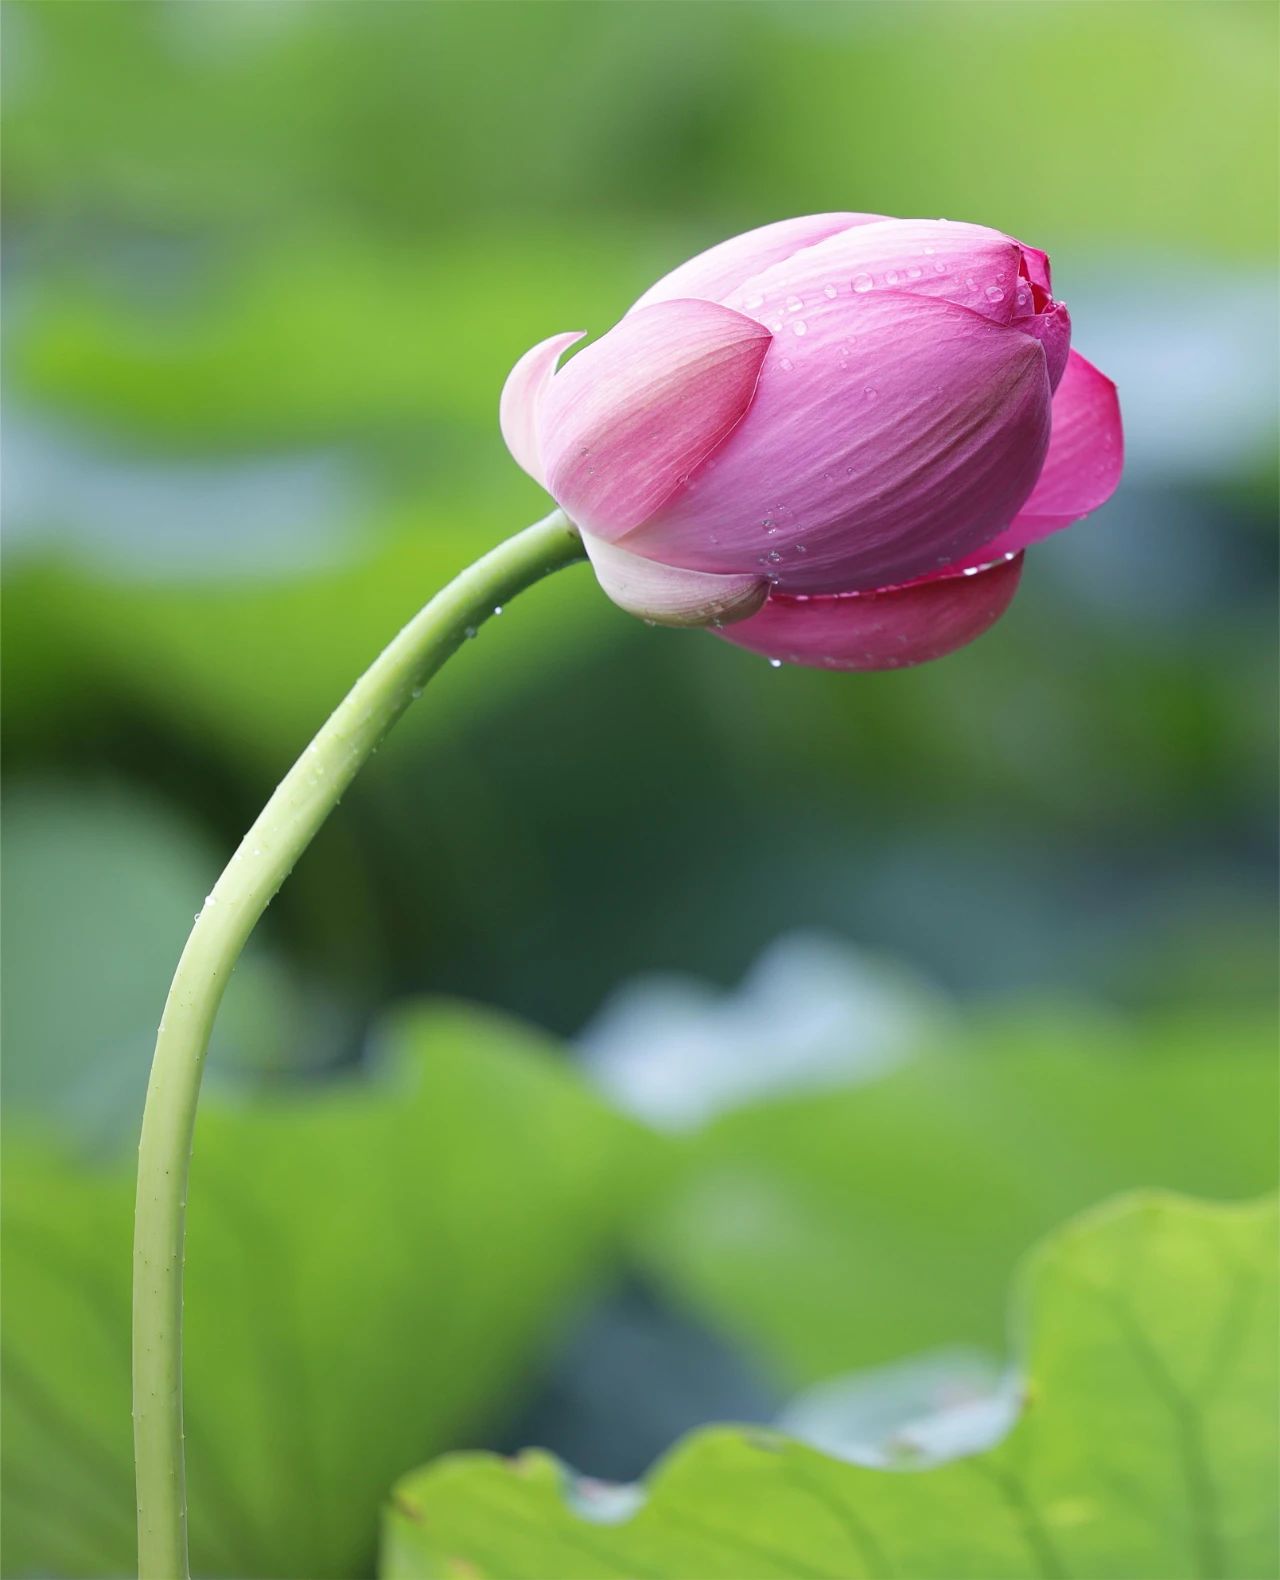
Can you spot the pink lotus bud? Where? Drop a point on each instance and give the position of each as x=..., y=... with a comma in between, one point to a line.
x=834, y=435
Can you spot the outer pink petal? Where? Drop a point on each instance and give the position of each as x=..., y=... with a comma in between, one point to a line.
x=521, y=394
x=894, y=435
x=668, y=596
x=633, y=414
x=970, y=265
x=892, y=629
x=1083, y=466
x=714, y=273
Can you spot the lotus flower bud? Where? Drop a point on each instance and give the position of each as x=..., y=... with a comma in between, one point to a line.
x=829, y=439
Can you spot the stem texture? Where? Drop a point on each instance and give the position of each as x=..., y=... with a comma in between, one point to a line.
x=286, y=826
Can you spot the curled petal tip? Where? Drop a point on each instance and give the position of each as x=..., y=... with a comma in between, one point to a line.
x=522, y=396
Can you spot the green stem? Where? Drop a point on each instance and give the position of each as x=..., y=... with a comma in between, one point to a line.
x=288, y=823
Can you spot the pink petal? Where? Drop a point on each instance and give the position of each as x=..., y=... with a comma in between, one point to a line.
x=1052, y=328
x=521, y=394
x=714, y=273
x=896, y=434
x=633, y=414
x=892, y=629
x=1083, y=466
x=667, y=596
x=970, y=265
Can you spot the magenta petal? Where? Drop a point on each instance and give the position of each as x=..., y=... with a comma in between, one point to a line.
x=892, y=629
x=630, y=417
x=668, y=596
x=521, y=395
x=717, y=271
x=892, y=436
x=970, y=265
x=1052, y=328
x=1083, y=466
x=1035, y=266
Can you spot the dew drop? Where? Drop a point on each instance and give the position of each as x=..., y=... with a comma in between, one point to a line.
x=794, y=304
x=914, y=272
x=993, y=293
x=774, y=557
x=775, y=663
x=753, y=302
x=468, y=633
x=892, y=277
x=497, y=608
x=862, y=282
x=786, y=364
x=799, y=327
x=830, y=291
x=929, y=251
x=869, y=390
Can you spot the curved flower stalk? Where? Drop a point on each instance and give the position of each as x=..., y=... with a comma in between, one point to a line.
x=829, y=440
x=835, y=435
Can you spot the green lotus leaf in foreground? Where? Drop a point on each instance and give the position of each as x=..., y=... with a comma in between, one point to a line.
x=374, y=1267
x=1145, y=1450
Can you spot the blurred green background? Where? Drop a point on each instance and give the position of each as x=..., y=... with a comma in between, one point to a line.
x=266, y=267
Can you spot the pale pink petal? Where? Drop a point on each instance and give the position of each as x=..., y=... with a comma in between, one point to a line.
x=1083, y=466
x=892, y=436
x=521, y=394
x=623, y=425
x=970, y=265
x=1052, y=328
x=667, y=596
x=711, y=275
x=892, y=629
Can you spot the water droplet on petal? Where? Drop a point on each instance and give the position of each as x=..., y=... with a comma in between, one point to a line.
x=775, y=663
x=993, y=293
x=497, y=608
x=799, y=327
x=862, y=282
x=892, y=277
x=786, y=364
x=914, y=272
x=794, y=304
x=830, y=291
x=869, y=391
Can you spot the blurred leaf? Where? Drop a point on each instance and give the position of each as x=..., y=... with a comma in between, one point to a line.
x=373, y=1269
x=325, y=336
x=838, y=1231
x=100, y=888
x=1146, y=1450
x=254, y=667
x=1055, y=120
